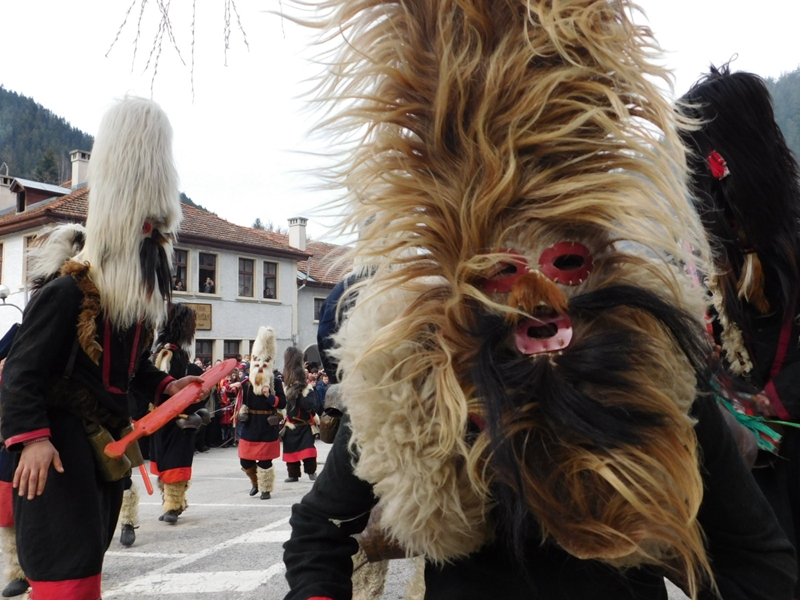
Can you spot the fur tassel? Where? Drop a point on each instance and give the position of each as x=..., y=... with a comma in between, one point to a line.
x=163, y=359
x=751, y=283
x=266, y=479
x=52, y=247
x=8, y=544
x=90, y=309
x=129, y=513
x=369, y=578
x=173, y=496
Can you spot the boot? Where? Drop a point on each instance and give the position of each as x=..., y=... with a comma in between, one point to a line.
x=251, y=473
x=129, y=515
x=266, y=482
x=174, y=501
x=17, y=583
x=15, y=587
x=294, y=472
x=128, y=535
x=312, y=476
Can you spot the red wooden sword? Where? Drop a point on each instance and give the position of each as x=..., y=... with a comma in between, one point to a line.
x=168, y=410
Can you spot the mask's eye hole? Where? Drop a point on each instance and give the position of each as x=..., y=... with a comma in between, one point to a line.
x=505, y=273
x=568, y=263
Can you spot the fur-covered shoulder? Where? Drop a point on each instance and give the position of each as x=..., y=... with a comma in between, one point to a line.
x=412, y=446
x=90, y=308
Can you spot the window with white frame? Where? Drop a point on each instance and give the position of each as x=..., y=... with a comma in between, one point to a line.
x=203, y=349
x=270, y=280
x=246, y=272
x=318, y=302
x=180, y=270
x=207, y=273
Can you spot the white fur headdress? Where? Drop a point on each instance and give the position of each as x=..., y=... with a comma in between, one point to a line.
x=263, y=359
x=52, y=247
x=134, y=212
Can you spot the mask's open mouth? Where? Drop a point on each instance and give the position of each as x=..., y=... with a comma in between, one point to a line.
x=548, y=331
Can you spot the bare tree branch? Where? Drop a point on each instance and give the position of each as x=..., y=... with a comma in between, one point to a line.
x=165, y=26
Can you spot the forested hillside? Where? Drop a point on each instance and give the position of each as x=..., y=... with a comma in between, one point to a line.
x=34, y=142
x=786, y=97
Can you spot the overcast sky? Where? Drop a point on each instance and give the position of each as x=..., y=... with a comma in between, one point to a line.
x=241, y=142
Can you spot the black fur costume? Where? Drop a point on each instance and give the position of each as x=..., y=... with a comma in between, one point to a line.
x=751, y=208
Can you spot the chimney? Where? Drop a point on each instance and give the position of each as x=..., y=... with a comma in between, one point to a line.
x=80, y=168
x=7, y=197
x=297, y=232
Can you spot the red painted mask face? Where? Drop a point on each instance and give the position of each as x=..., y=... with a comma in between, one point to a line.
x=568, y=263
x=565, y=263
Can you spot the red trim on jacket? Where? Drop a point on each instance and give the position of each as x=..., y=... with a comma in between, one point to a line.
x=172, y=475
x=6, y=504
x=259, y=450
x=299, y=455
x=24, y=437
x=135, y=353
x=160, y=389
x=87, y=588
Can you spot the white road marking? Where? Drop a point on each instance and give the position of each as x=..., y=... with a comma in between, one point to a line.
x=198, y=583
x=266, y=537
x=133, y=554
x=192, y=558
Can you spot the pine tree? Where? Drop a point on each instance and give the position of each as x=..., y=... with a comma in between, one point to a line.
x=257, y=224
x=47, y=169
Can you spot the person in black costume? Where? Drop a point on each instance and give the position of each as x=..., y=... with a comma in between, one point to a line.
x=298, y=438
x=262, y=398
x=83, y=343
x=525, y=371
x=172, y=446
x=746, y=184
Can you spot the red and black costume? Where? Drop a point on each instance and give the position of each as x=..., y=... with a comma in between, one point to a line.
x=69, y=367
x=259, y=439
x=298, y=437
x=746, y=185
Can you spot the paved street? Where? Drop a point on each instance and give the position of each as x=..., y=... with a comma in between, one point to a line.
x=227, y=546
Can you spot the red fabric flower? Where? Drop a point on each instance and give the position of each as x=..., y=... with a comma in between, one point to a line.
x=717, y=164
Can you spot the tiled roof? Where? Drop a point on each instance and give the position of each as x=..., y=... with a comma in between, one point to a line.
x=38, y=185
x=324, y=265
x=199, y=226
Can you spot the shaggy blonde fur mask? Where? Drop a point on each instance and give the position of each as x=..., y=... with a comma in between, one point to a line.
x=529, y=344
x=134, y=212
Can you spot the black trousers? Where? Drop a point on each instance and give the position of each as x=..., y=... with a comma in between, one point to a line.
x=65, y=532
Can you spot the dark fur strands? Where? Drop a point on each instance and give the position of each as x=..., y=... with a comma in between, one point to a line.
x=590, y=396
x=179, y=328
x=155, y=265
x=293, y=369
x=761, y=194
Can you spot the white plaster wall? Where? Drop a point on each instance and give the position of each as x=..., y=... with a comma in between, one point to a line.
x=307, y=326
x=233, y=318
x=12, y=276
